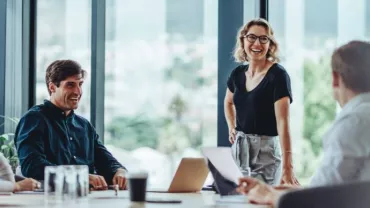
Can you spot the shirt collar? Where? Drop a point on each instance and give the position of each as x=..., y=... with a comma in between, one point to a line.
x=55, y=110
x=354, y=102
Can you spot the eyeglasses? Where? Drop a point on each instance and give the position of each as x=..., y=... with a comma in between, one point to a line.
x=252, y=38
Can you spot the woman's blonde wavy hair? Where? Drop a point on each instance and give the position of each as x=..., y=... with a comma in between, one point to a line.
x=239, y=53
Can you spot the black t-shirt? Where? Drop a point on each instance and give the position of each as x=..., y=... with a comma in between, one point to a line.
x=255, y=112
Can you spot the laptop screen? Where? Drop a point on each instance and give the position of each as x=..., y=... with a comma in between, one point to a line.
x=223, y=186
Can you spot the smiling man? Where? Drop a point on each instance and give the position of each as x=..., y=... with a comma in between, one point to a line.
x=52, y=134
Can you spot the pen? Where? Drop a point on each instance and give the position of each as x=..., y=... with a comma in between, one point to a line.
x=116, y=189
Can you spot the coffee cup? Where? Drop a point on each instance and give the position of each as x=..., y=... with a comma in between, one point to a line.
x=137, y=183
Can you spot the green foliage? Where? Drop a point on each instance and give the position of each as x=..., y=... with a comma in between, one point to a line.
x=174, y=137
x=11, y=119
x=184, y=72
x=186, y=66
x=7, y=144
x=319, y=113
x=167, y=134
x=319, y=104
x=178, y=107
x=133, y=132
x=8, y=150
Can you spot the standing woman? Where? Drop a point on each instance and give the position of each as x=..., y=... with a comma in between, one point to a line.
x=257, y=103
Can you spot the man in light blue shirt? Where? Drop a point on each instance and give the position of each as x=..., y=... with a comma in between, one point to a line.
x=347, y=145
x=347, y=142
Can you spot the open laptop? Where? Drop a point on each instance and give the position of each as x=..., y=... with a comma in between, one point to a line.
x=189, y=177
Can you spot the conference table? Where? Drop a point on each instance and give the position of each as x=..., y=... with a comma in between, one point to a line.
x=108, y=198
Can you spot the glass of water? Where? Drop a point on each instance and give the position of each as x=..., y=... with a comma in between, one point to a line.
x=82, y=180
x=53, y=183
x=69, y=182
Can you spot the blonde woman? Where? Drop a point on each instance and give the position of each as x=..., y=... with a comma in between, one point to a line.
x=257, y=103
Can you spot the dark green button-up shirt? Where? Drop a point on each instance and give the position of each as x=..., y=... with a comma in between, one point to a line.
x=46, y=137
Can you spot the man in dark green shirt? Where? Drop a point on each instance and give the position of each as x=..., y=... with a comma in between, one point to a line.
x=52, y=134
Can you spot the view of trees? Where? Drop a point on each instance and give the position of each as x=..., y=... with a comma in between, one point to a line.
x=173, y=132
x=319, y=104
x=319, y=112
x=167, y=134
x=182, y=69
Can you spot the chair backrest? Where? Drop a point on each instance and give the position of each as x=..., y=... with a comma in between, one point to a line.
x=353, y=195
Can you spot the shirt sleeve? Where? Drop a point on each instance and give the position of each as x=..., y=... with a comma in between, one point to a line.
x=345, y=153
x=6, y=186
x=231, y=80
x=29, y=141
x=282, y=87
x=106, y=165
x=6, y=172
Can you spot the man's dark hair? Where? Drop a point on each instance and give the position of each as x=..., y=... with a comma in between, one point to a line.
x=60, y=70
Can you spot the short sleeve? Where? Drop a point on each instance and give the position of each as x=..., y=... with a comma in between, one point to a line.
x=231, y=82
x=282, y=87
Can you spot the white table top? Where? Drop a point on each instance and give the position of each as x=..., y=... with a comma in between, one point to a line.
x=108, y=199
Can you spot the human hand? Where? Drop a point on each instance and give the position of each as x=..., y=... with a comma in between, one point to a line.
x=120, y=179
x=27, y=184
x=258, y=192
x=288, y=177
x=232, y=135
x=98, y=182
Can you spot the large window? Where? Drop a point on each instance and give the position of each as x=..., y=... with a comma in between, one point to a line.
x=160, y=82
x=308, y=31
x=160, y=75
x=161, y=71
x=63, y=32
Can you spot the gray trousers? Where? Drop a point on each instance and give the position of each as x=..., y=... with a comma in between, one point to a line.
x=260, y=153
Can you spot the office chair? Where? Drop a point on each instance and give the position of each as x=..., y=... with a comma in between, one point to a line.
x=352, y=195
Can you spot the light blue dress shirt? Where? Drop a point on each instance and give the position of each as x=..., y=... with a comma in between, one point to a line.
x=347, y=145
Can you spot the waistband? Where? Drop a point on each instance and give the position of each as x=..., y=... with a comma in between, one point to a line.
x=254, y=135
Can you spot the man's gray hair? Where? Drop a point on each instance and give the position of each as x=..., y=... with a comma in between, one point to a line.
x=352, y=62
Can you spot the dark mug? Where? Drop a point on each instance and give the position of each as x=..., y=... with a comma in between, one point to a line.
x=137, y=183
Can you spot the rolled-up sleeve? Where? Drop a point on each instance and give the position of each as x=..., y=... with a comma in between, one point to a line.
x=105, y=164
x=345, y=152
x=29, y=141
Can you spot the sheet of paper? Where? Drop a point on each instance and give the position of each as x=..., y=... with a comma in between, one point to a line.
x=223, y=161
